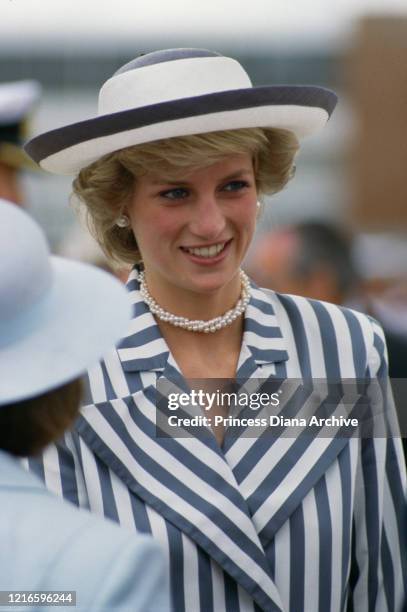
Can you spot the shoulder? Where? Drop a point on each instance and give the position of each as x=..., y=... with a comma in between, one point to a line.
x=333, y=331
x=56, y=546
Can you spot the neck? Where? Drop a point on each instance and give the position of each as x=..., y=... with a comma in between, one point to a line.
x=202, y=305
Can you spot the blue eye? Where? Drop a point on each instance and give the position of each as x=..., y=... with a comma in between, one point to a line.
x=179, y=193
x=235, y=185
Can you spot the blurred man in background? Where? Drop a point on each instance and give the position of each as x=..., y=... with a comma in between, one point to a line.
x=17, y=101
x=311, y=259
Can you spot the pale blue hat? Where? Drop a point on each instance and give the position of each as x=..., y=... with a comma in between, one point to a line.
x=57, y=317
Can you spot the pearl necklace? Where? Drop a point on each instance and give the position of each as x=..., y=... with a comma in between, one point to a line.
x=198, y=325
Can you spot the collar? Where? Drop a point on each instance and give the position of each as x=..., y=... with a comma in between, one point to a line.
x=144, y=347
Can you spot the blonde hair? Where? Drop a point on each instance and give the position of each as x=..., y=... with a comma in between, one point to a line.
x=106, y=186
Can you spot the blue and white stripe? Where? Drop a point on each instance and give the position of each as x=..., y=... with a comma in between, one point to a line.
x=275, y=524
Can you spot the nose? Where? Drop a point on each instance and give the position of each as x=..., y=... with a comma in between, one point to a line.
x=208, y=220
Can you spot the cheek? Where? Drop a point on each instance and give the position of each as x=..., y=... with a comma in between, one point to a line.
x=167, y=224
x=156, y=228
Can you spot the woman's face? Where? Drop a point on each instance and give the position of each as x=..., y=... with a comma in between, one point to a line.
x=193, y=232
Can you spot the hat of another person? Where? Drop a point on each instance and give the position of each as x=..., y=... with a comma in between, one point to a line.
x=178, y=92
x=57, y=317
x=17, y=101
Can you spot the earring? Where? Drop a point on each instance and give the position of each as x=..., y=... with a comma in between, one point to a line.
x=258, y=204
x=122, y=221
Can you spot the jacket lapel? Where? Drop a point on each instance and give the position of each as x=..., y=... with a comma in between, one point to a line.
x=186, y=480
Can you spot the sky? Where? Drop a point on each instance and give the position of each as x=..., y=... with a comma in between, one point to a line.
x=65, y=22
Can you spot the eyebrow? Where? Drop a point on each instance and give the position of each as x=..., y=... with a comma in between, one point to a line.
x=234, y=175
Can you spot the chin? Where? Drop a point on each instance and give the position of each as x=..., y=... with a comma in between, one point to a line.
x=210, y=281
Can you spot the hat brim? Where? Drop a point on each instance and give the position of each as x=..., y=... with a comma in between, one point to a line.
x=300, y=109
x=83, y=316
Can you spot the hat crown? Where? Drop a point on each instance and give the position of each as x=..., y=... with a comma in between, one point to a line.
x=173, y=74
x=165, y=55
x=25, y=268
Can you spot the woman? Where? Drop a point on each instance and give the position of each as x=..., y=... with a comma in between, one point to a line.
x=47, y=341
x=170, y=172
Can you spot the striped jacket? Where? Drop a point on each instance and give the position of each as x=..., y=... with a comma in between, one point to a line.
x=276, y=524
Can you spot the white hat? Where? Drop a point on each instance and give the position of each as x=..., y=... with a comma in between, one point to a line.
x=178, y=92
x=57, y=317
x=17, y=100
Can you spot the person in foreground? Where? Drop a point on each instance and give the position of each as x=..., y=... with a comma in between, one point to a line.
x=47, y=339
x=170, y=172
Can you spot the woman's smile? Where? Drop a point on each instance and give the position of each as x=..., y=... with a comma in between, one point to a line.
x=207, y=255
